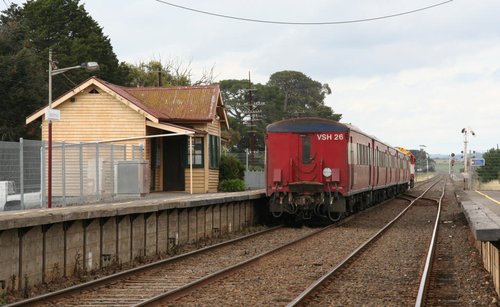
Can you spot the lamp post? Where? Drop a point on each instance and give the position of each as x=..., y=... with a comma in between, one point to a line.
x=51, y=114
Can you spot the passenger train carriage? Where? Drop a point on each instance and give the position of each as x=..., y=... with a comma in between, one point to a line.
x=322, y=168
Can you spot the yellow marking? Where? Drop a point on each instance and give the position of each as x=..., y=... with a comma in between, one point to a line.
x=490, y=198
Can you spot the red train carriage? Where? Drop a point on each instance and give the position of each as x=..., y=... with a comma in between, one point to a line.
x=319, y=167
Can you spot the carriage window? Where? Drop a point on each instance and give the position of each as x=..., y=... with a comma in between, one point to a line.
x=306, y=149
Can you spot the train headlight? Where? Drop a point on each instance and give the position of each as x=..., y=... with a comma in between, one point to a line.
x=327, y=172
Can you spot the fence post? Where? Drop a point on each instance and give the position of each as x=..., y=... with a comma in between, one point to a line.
x=81, y=171
x=97, y=171
x=42, y=174
x=246, y=158
x=141, y=150
x=63, y=170
x=125, y=152
x=21, y=169
x=112, y=169
x=133, y=152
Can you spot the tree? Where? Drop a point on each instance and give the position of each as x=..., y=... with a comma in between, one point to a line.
x=66, y=28
x=20, y=85
x=287, y=94
x=422, y=160
x=173, y=72
x=158, y=73
x=491, y=169
x=303, y=97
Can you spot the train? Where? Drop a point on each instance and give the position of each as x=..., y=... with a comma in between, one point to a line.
x=322, y=169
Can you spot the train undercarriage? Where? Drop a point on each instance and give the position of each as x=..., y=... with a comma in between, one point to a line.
x=296, y=207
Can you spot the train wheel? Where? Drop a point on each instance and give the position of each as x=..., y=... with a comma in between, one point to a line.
x=333, y=215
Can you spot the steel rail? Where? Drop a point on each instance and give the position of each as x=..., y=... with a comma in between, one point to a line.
x=122, y=275
x=424, y=282
x=176, y=293
x=315, y=285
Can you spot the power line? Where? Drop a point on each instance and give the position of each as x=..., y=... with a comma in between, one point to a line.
x=302, y=23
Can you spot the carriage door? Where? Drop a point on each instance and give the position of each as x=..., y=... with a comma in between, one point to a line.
x=352, y=162
x=306, y=160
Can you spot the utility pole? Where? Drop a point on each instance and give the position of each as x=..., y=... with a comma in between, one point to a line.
x=252, y=125
x=466, y=131
x=250, y=110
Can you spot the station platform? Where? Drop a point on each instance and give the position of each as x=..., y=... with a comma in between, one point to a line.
x=482, y=210
x=153, y=202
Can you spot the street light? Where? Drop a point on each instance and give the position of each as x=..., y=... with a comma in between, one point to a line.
x=54, y=115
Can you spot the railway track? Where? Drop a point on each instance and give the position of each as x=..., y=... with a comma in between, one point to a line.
x=244, y=272
x=132, y=287
x=278, y=277
x=384, y=271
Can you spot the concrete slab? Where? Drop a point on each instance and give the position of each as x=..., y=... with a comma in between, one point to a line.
x=485, y=224
x=482, y=210
x=152, y=203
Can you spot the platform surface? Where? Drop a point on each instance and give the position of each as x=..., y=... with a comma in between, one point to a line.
x=482, y=210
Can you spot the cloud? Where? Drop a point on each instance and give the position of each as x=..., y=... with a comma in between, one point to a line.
x=409, y=80
x=427, y=105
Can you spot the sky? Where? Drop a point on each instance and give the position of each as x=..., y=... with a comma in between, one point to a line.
x=410, y=80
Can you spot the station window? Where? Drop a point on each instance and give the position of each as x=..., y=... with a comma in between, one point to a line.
x=214, y=142
x=197, y=152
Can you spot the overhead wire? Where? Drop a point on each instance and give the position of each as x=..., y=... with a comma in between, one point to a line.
x=302, y=23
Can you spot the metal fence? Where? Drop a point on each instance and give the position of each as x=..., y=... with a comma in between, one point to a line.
x=81, y=173
x=255, y=180
x=254, y=168
x=252, y=161
x=482, y=174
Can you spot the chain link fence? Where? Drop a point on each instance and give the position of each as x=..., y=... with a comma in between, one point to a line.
x=252, y=161
x=254, y=168
x=483, y=173
x=486, y=177
x=81, y=173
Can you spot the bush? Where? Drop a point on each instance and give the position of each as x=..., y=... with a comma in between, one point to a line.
x=232, y=185
x=230, y=168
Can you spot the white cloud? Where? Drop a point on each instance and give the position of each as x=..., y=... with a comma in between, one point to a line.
x=409, y=80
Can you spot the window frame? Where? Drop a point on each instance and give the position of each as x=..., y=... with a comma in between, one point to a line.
x=214, y=151
x=196, y=146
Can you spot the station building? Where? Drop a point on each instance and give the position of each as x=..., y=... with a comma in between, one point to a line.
x=97, y=110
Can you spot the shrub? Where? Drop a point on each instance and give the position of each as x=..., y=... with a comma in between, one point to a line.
x=232, y=185
x=230, y=168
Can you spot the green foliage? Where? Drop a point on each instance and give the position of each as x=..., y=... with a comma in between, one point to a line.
x=3, y=297
x=303, y=97
x=230, y=168
x=21, y=82
x=422, y=160
x=26, y=34
x=157, y=73
x=491, y=169
x=232, y=185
